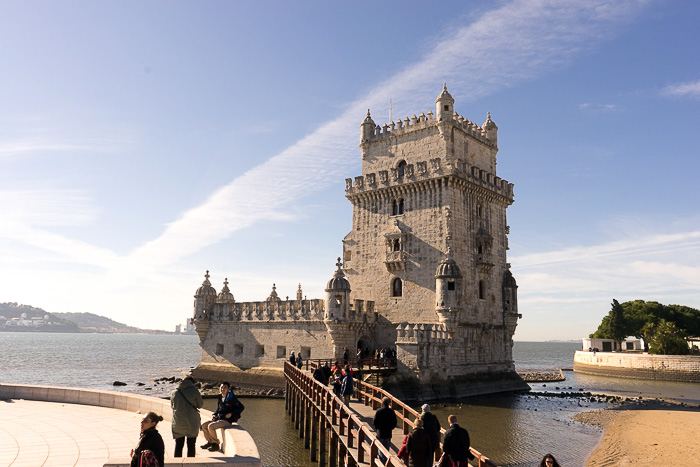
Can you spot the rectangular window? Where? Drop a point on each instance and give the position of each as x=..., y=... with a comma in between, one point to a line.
x=260, y=351
x=219, y=349
x=238, y=350
x=305, y=352
x=281, y=351
x=450, y=285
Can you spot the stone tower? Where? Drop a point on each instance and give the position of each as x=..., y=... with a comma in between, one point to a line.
x=428, y=243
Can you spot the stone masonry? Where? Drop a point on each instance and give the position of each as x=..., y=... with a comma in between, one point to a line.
x=424, y=268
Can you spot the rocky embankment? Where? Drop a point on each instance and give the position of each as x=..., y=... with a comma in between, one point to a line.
x=165, y=385
x=541, y=376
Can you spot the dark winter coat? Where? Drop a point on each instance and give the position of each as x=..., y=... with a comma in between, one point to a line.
x=431, y=424
x=456, y=444
x=183, y=400
x=419, y=449
x=229, y=405
x=150, y=440
x=384, y=422
x=347, y=388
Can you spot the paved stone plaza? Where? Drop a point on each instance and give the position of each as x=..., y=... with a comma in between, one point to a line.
x=53, y=434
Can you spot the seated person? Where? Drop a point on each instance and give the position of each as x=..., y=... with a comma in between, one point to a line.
x=228, y=411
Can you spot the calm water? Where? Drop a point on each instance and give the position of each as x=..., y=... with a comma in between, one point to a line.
x=514, y=430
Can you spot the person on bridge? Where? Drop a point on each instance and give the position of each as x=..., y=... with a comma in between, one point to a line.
x=456, y=444
x=385, y=422
x=300, y=361
x=431, y=425
x=326, y=372
x=292, y=359
x=319, y=375
x=348, y=386
x=228, y=411
x=418, y=447
x=150, y=440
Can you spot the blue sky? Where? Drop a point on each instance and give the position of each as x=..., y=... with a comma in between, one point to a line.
x=142, y=143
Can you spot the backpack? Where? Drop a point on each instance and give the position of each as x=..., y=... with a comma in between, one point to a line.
x=148, y=459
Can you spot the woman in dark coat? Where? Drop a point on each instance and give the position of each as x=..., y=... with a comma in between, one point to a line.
x=150, y=440
x=418, y=447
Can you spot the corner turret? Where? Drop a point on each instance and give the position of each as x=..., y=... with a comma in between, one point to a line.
x=448, y=289
x=367, y=126
x=337, y=304
x=490, y=129
x=204, y=299
x=444, y=105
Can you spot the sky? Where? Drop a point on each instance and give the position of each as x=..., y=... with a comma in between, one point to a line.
x=143, y=143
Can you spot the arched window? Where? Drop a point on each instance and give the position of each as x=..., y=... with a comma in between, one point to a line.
x=479, y=211
x=480, y=249
x=397, y=245
x=394, y=207
x=401, y=168
x=482, y=290
x=401, y=206
x=396, y=288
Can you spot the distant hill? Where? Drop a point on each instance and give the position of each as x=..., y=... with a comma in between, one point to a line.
x=64, y=322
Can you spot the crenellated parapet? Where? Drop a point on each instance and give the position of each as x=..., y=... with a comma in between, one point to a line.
x=426, y=171
x=422, y=333
x=268, y=310
x=407, y=126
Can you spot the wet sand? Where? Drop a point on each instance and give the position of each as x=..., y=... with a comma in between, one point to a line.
x=646, y=433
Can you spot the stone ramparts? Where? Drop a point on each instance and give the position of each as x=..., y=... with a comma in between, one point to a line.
x=427, y=170
x=238, y=446
x=639, y=366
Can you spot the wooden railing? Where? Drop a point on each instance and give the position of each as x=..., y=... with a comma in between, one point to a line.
x=324, y=421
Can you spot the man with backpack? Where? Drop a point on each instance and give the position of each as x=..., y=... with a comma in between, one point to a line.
x=228, y=411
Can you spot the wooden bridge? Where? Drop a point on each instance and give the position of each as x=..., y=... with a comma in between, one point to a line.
x=340, y=435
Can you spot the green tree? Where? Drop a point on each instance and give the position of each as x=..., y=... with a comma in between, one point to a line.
x=667, y=339
x=617, y=322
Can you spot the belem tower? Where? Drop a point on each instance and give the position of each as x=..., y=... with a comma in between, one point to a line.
x=423, y=271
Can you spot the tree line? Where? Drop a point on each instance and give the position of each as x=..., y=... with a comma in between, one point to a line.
x=665, y=329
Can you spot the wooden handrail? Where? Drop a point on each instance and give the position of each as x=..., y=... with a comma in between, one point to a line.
x=350, y=427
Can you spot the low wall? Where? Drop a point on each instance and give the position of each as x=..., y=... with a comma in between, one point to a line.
x=238, y=446
x=639, y=366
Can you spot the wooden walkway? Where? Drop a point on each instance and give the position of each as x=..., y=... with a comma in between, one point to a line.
x=342, y=435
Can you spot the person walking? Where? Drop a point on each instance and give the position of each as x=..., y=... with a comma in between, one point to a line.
x=150, y=440
x=228, y=411
x=456, y=444
x=186, y=402
x=418, y=447
x=384, y=422
x=431, y=425
x=347, y=387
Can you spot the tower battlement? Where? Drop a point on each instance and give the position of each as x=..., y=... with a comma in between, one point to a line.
x=426, y=170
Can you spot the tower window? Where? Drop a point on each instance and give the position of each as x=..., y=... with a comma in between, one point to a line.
x=480, y=249
x=219, y=349
x=396, y=288
x=401, y=206
x=446, y=107
x=338, y=300
x=397, y=245
x=482, y=290
x=401, y=168
x=394, y=207
x=450, y=285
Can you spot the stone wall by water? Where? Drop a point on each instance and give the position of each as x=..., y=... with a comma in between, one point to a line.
x=639, y=366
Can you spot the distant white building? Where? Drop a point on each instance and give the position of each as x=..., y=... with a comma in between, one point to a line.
x=610, y=345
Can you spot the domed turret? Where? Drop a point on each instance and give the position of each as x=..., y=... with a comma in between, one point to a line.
x=337, y=303
x=490, y=128
x=204, y=298
x=510, y=293
x=367, y=126
x=273, y=295
x=444, y=105
x=225, y=295
x=448, y=289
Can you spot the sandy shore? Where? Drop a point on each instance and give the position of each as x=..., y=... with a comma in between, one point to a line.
x=646, y=433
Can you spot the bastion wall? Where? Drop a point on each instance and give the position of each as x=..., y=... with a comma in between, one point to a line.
x=639, y=366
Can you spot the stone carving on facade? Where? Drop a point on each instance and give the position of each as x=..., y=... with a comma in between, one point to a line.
x=383, y=176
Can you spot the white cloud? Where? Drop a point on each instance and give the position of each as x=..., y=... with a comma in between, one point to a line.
x=690, y=89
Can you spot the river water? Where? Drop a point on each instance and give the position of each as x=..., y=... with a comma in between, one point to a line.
x=514, y=430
